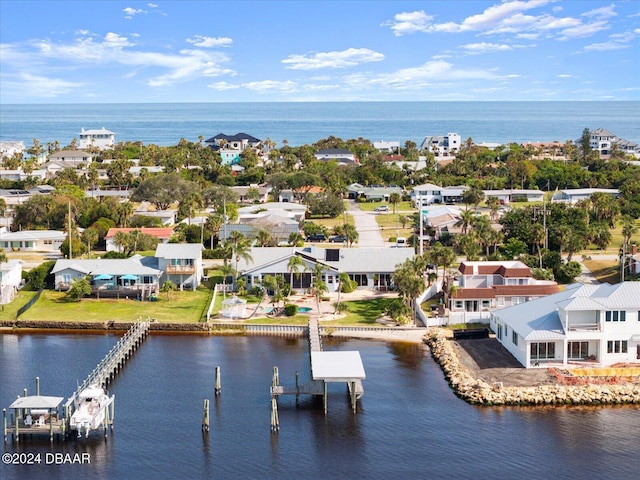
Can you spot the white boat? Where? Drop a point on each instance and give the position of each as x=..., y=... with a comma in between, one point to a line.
x=91, y=409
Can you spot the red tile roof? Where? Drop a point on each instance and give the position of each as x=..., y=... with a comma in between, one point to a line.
x=165, y=232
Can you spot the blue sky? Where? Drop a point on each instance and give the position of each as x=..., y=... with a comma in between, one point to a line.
x=217, y=51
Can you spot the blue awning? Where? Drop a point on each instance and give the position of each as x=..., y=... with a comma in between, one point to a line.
x=129, y=277
x=103, y=276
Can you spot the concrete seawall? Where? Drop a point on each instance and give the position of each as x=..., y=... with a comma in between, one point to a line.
x=479, y=392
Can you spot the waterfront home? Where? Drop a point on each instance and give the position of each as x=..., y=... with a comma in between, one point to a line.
x=442, y=146
x=588, y=325
x=163, y=234
x=70, y=158
x=10, y=280
x=484, y=286
x=181, y=264
x=429, y=193
x=370, y=268
x=603, y=141
x=100, y=138
x=507, y=196
x=32, y=240
x=134, y=277
x=574, y=195
x=340, y=155
x=8, y=148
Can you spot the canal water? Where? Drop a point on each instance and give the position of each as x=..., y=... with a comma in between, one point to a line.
x=409, y=424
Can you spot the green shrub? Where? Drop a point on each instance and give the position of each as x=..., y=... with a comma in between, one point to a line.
x=39, y=276
x=346, y=284
x=291, y=309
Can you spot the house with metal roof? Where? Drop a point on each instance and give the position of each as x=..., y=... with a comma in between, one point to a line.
x=574, y=195
x=32, y=240
x=442, y=146
x=584, y=325
x=340, y=155
x=163, y=234
x=239, y=141
x=427, y=194
x=370, y=268
x=134, y=277
x=480, y=287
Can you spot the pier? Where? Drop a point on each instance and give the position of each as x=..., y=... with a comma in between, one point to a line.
x=326, y=367
x=36, y=414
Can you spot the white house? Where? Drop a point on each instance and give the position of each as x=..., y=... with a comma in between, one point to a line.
x=442, y=146
x=32, y=240
x=485, y=286
x=9, y=149
x=101, y=138
x=388, y=147
x=584, y=325
x=237, y=142
x=515, y=195
x=163, y=234
x=574, y=195
x=429, y=193
x=181, y=263
x=340, y=155
x=370, y=268
x=10, y=280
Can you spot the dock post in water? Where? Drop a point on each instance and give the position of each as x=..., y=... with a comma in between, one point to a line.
x=205, y=416
x=275, y=421
x=297, y=390
x=4, y=424
x=37, y=385
x=218, y=386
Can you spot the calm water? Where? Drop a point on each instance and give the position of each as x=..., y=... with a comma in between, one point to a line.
x=409, y=423
x=305, y=123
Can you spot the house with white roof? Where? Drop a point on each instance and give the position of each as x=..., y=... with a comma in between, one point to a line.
x=442, y=146
x=484, y=286
x=340, y=155
x=387, y=147
x=370, y=268
x=574, y=195
x=373, y=193
x=603, y=140
x=10, y=280
x=507, y=196
x=32, y=240
x=101, y=138
x=584, y=325
x=181, y=264
x=429, y=193
x=8, y=148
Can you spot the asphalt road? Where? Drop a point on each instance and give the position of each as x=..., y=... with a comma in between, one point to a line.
x=366, y=226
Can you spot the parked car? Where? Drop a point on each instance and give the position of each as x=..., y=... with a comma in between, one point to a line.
x=381, y=208
x=317, y=237
x=337, y=239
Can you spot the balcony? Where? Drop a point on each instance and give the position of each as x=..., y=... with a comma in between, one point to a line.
x=181, y=269
x=583, y=327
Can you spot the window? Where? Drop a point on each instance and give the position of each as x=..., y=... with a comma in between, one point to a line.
x=501, y=302
x=517, y=300
x=542, y=350
x=617, y=346
x=499, y=332
x=458, y=304
x=514, y=337
x=578, y=350
x=615, y=316
x=486, y=303
x=329, y=279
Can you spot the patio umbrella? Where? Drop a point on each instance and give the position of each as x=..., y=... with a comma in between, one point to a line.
x=129, y=277
x=103, y=276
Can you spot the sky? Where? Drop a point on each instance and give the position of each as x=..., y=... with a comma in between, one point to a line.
x=273, y=51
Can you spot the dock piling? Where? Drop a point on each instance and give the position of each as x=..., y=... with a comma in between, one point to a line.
x=37, y=385
x=205, y=416
x=218, y=385
x=4, y=424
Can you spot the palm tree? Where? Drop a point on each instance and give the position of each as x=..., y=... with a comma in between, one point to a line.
x=394, y=199
x=319, y=287
x=263, y=238
x=295, y=238
x=3, y=257
x=212, y=225
x=227, y=271
x=240, y=248
x=537, y=235
x=295, y=262
x=465, y=219
x=90, y=235
x=494, y=205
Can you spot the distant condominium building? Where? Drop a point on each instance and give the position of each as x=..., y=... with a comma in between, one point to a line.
x=603, y=141
x=442, y=146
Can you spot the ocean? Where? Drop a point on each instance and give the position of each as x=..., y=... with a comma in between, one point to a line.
x=306, y=123
x=409, y=424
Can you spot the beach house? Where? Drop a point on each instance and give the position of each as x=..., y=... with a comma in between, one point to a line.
x=100, y=138
x=588, y=325
x=442, y=146
x=32, y=240
x=340, y=155
x=181, y=264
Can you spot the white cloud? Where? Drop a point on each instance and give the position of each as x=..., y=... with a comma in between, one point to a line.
x=346, y=58
x=208, y=42
x=566, y=75
x=583, y=30
x=38, y=86
x=271, y=86
x=480, y=48
x=223, y=86
x=113, y=40
x=152, y=5
x=129, y=12
x=602, y=12
x=409, y=22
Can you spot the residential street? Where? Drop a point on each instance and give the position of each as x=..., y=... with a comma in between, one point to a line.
x=366, y=225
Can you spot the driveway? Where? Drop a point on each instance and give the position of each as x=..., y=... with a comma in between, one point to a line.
x=366, y=226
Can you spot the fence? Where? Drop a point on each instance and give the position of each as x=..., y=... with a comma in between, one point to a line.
x=28, y=305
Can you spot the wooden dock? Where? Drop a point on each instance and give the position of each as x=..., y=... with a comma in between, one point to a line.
x=46, y=409
x=326, y=367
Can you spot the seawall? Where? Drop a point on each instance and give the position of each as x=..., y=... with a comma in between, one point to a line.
x=479, y=392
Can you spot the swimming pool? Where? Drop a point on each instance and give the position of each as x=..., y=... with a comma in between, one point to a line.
x=304, y=309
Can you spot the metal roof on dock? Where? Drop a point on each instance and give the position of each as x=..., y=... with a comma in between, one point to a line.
x=337, y=366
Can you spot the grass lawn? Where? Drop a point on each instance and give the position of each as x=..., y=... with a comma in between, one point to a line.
x=361, y=312
x=182, y=307
x=388, y=223
x=604, y=271
x=332, y=222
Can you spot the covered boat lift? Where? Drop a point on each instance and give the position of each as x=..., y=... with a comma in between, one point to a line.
x=35, y=414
